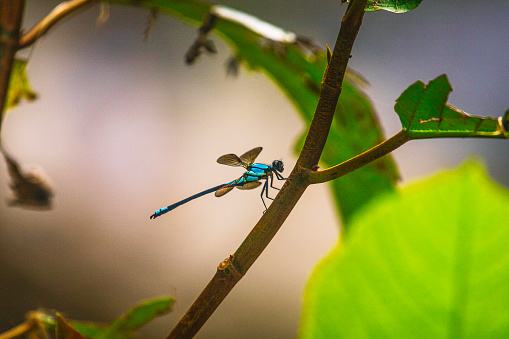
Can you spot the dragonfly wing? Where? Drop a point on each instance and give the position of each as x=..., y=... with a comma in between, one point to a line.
x=230, y=160
x=222, y=191
x=249, y=185
x=249, y=157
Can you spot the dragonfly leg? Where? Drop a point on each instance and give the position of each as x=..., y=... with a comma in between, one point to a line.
x=272, y=182
x=279, y=176
x=265, y=188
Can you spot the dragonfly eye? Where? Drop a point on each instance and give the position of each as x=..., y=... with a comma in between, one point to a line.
x=278, y=165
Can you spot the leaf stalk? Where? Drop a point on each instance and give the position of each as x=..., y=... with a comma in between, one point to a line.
x=57, y=14
x=360, y=160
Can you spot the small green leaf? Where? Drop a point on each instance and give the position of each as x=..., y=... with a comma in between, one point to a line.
x=137, y=317
x=429, y=262
x=424, y=113
x=329, y=53
x=19, y=88
x=396, y=6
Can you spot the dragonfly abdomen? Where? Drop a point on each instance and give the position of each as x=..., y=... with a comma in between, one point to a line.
x=181, y=202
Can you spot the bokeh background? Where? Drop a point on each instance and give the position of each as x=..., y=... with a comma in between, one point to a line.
x=124, y=127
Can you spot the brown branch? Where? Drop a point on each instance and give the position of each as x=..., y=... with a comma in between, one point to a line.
x=57, y=14
x=11, y=13
x=360, y=160
x=232, y=269
x=331, y=85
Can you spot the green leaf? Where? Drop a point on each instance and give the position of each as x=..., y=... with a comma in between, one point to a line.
x=356, y=129
x=137, y=317
x=19, y=88
x=123, y=327
x=429, y=262
x=424, y=113
x=297, y=66
x=396, y=6
x=93, y=330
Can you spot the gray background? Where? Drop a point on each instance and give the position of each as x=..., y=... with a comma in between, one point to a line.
x=123, y=127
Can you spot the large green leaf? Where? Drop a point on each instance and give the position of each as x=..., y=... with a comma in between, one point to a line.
x=298, y=73
x=355, y=129
x=424, y=113
x=429, y=262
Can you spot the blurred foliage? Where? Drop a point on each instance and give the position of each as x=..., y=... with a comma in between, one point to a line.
x=427, y=262
x=135, y=318
x=31, y=189
x=41, y=322
x=65, y=331
x=19, y=88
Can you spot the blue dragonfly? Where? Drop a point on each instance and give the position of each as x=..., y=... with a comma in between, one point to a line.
x=249, y=180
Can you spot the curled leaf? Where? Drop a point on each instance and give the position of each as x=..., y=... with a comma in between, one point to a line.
x=31, y=189
x=19, y=88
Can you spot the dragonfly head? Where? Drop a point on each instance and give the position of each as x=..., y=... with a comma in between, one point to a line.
x=278, y=165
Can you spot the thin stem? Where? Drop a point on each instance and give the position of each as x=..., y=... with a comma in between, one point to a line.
x=232, y=269
x=19, y=331
x=57, y=14
x=360, y=160
x=11, y=13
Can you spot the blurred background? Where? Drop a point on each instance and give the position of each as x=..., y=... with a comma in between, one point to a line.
x=123, y=127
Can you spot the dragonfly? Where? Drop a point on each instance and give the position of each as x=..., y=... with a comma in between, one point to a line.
x=255, y=172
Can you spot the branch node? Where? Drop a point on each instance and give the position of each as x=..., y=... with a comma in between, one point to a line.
x=229, y=270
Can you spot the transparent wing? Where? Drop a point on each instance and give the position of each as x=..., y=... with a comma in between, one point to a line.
x=230, y=160
x=222, y=191
x=249, y=185
x=249, y=157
